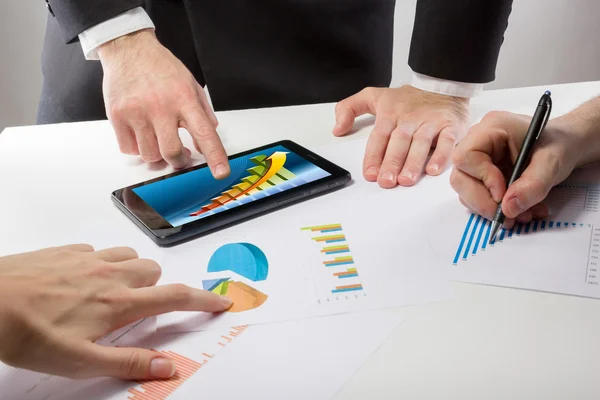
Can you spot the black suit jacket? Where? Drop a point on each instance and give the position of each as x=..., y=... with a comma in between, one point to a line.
x=285, y=52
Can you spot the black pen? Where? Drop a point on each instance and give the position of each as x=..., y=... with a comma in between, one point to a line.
x=537, y=125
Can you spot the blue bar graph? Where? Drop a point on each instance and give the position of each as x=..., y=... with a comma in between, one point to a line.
x=337, y=252
x=502, y=233
x=352, y=289
x=510, y=233
x=464, y=236
x=471, y=237
x=337, y=264
x=476, y=235
x=479, y=237
x=488, y=232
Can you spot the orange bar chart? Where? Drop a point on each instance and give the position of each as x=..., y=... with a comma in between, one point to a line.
x=161, y=389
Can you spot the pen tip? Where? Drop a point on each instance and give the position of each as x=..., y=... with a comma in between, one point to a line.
x=548, y=93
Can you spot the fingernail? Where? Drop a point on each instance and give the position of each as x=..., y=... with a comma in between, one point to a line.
x=434, y=168
x=162, y=368
x=371, y=171
x=495, y=195
x=516, y=206
x=388, y=176
x=409, y=175
x=226, y=301
x=220, y=170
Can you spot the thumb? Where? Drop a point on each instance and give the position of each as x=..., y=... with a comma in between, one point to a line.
x=129, y=363
x=347, y=110
x=530, y=189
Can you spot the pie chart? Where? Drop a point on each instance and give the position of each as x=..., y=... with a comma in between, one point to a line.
x=246, y=260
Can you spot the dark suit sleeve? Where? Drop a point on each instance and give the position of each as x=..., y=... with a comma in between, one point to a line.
x=75, y=16
x=458, y=40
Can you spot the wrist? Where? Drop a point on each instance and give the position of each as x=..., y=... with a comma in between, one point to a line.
x=582, y=135
x=126, y=45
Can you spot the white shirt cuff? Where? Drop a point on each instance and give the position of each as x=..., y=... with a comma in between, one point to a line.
x=131, y=21
x=442, y=86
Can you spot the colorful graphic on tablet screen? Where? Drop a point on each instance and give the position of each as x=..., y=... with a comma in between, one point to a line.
x=196, y=194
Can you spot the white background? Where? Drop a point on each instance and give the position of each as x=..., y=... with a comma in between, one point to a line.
x=548, y=41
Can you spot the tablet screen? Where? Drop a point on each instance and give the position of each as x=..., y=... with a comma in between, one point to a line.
x=196, y=194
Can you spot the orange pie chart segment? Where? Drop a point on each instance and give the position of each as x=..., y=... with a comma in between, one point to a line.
x=244, y=297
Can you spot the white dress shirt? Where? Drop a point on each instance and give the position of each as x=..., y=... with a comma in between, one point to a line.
x=137, y=19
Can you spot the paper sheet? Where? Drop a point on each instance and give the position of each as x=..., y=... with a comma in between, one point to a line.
x=293, y=360
x=352, y=250
x=560, y=254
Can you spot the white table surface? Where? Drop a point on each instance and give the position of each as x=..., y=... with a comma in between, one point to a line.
x=489, y=343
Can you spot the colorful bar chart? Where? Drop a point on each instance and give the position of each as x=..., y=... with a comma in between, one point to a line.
x=476, y=234
x=330, y=238
x=347, y=288
x=349, y=273
x=336, y=249
x=186, y=368
x=161, y=389
x=337, y=260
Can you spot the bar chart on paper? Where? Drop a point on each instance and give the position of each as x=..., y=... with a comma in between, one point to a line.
x=559, y=254
x=190, y=353
x=333, y=269
x=476, y=235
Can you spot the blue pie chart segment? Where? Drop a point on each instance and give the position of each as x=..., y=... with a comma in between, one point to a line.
x=244, y=259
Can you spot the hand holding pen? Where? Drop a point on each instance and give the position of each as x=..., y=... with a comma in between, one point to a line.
x=537, y=125
x=486, y=159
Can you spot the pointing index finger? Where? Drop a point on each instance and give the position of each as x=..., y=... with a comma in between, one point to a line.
x=151, y=301
x=207, y=140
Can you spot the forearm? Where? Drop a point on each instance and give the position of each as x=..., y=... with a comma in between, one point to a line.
x=584, y=124
x=76, y=16
x=458, y=40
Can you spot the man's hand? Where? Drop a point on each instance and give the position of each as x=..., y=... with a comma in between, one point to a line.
x=55, y=303
x=148, y=95
x=484, y=161
x=408, y=123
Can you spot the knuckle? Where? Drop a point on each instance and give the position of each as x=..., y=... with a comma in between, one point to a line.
x=423, y=136
x=369, y=91
x=402, y=134
x=131, y=105
x=455, y=180
x=381, y=133
x=186, y=92
x=205, y=130
x=153, y=269
x=102, y=270
x=493, y=116
x=213, y=154
x=392, y=163
x=171, y=152
x=131, y=364
x=449, y=135
x=181, y=293
x=459, y=158
x=538, y=189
